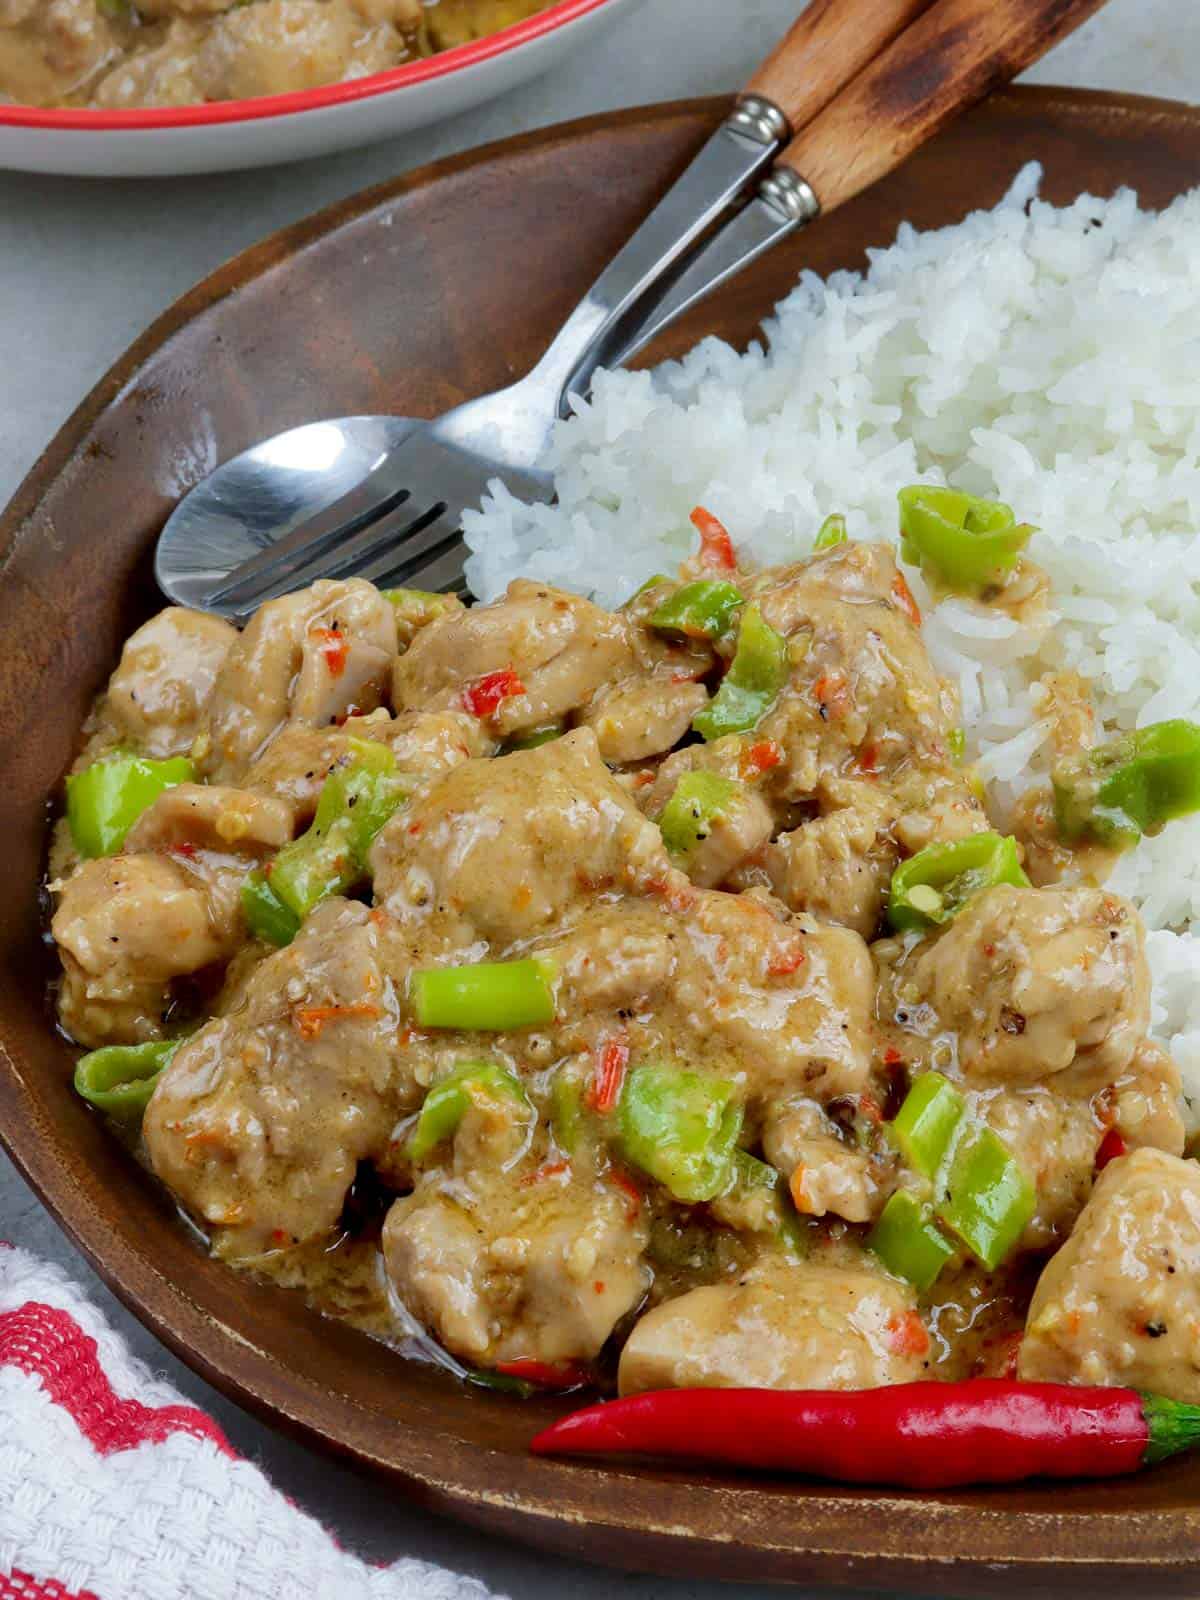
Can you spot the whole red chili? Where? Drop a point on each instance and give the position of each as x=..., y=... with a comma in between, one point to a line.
x=484, y=697
x=912, y=1435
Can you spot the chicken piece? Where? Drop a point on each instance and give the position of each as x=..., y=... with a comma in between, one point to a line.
x=825, y=1174
x=561, y=648
x=863, y=695
x=216, y=835
x=1146, y=1101
x=1054, y=1139
x=404, y=14
x=455, y=22
x=280, y=46
x=500, y=1268
x=54, y=48
x=310, y=658
x=777, y=1002
x=1120, y=1302
x=1036, y=981
x=125, y=926
x=259, y=1121
x=159, y=691
x=295, y=764
x=162, y=74
x=616, y=958
x=1047, y=859
x=837, y=867
x=507, y=849
x=637, y=718
x=802, y=1327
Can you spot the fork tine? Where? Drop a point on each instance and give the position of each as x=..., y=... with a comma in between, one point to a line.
x=441, y=550
x=373, y=495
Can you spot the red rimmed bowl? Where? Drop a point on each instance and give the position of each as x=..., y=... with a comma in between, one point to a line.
x=230, y=134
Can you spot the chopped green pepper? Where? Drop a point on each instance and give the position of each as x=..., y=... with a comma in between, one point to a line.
x=699, y=800
x=967, y=543
x=355, y=802
x=984, y=1197
x=956, y=743
x=925, y=1124
x=120, y=1078
x=909, y=1242
x=748, y=690
x=566, y=1110
x=106, y=799
x=487, y=996
x=266, y=915
x=702, y=610
x=933, y=886
x=650, y=583
x=1131, y=786
x=681, y=1128
x=418, y=606
x=831, y=532
x=450, y=1098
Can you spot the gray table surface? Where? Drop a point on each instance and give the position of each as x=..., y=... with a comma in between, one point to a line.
x=84, y=266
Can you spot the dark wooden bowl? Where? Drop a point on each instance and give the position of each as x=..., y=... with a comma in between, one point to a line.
x=411, y=298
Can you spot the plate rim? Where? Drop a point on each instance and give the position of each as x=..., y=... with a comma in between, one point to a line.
x=560, y=1496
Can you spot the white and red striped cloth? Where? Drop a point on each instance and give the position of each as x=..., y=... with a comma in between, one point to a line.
x=112, y=1487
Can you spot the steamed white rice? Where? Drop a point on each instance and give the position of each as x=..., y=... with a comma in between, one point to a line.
x=1049, y=358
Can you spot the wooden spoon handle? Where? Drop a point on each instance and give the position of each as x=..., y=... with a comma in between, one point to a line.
x=830, y=43
x=952, y=56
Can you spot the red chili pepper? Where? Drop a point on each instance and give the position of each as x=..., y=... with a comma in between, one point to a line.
x=566, y=1375
x=186, y=850
x=1111, y=1146
x=605, y=1088
x=633, y=1195
x=334, y=648
x=903, y=597
x=786, y=962
x=908, y=1335
x=759, y=758
x=716, y=547
x=484, y=697
x=912, y=1435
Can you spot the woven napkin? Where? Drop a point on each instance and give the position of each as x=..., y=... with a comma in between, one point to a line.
x=113, y=1487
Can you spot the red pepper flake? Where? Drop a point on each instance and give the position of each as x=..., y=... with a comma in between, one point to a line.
x=416, y=828
x=549, y=1169
x=786, y=962
x=677, y=897
x=832, y=694
x=608, y=1077
x=565, y=1375
x=902, y=596
x=716, y=547
x=598, y=1287
x=867, y=760
x=334, y=648
x=641, y=779
x=892, y=1057
x=989, y=950
x=187, y=851
x=908, y=1335
x=758, y=758
x=279, y=1236
x=309, y=1020
x=1112, y=1146
x=486, y=695
x=630, y=1190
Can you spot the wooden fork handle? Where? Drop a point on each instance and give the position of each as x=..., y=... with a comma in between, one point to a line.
x=830, y=43
x=949, y=58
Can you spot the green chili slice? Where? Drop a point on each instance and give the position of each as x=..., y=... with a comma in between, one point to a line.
x=1132, y=786
x=925, y=1124
x=832, y=532
x=698, y=802
x=964, y=542
x=984, y=1196
x=488, y=996
x=749, y=1174
x=748, y=690
x=933, y=886
x=702, y=610
x=909, y=1242
x=356, y=801
x=450, y=1098
x=106, y=799
x=681, y=1128
x=120, y=1078
x=266, y=915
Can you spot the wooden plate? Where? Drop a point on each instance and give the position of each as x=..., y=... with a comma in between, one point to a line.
x=411, y=298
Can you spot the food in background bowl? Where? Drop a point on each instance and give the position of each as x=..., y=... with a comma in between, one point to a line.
x=121, y=54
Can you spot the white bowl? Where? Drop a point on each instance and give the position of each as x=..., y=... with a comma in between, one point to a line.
x=257, y=133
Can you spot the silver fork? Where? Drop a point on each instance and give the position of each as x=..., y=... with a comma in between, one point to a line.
x=400, y=524
x=398, y=519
